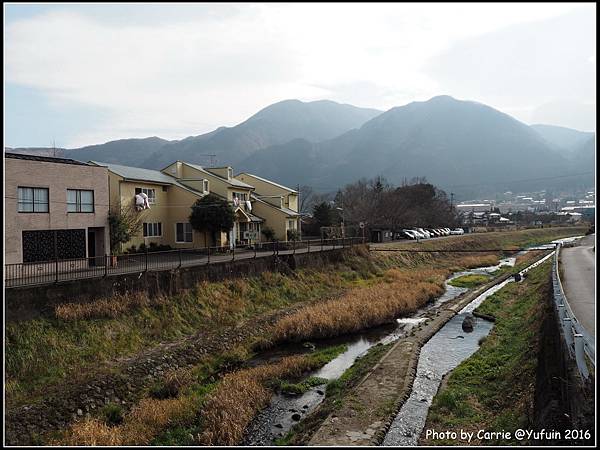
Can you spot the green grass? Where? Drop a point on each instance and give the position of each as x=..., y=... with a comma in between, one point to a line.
x=470, y=281
x=494, y=388
x=43, y=353
x=335, y=395
x=207, y=376
x=46, y=351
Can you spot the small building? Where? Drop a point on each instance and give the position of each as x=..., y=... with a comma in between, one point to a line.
x=55, y=208
x=381, y=235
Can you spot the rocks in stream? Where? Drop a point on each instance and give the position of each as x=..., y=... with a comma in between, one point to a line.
x=468, y=324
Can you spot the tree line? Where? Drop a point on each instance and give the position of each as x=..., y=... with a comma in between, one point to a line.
x=379, y=204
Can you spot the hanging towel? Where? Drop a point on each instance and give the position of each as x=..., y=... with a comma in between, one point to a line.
x=248, y=205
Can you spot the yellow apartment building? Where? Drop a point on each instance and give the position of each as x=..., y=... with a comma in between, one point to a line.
x=166, y=221
x=275, y=203
x=173, y=190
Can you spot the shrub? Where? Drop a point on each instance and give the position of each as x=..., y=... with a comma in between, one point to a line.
x=268, y=233
x=113, y=414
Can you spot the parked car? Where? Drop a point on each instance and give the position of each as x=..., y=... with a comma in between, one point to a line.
x=458, y=231
x=424, y=233
x=410, y=234
x=436, y=232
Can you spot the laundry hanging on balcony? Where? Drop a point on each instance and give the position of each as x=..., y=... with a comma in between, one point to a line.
x=236, y=201
x=141, y=201
x=248, y=205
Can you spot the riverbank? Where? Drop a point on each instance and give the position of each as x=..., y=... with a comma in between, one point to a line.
x=150, y=339
x=494, y=389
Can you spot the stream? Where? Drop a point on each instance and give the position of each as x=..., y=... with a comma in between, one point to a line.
x=285, y=410
x=438, y=357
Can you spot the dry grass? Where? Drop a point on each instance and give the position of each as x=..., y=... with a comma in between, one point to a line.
x=111, y=307
x=145, y=421
x=401, y=293
x=240, y=395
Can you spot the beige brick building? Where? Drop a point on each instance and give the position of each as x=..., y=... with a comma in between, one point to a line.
x=55, y=208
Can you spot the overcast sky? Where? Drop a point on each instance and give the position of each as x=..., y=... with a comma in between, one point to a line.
x=86, y=74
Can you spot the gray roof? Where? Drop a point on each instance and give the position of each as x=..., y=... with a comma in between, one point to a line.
x=254, y=218
x=232, y=181
x=139, y=174
x=51, y=159
x=268, y=181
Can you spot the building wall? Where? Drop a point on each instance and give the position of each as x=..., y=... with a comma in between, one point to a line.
x=172, y=205
x=274, y=218
x=57, y=177
x=290, y=199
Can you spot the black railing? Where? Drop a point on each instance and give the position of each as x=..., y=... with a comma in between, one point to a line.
x=56, y=271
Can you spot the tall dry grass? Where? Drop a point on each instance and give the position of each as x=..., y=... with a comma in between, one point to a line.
x=233, y=404
x=144, y=422
x=111, y=307
x=402, y=292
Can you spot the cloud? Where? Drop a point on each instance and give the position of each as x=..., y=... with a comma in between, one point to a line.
x=177, y=70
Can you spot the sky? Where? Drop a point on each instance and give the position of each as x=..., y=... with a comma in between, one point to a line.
x=81, y=74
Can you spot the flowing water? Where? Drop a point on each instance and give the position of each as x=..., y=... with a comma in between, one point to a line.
x=440, y=355
x=285, y=411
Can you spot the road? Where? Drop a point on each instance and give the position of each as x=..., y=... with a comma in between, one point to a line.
x=578, y=277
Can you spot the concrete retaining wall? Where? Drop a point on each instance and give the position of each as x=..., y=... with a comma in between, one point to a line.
x=39, y=301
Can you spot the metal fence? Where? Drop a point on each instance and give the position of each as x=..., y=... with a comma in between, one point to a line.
x=579, y=342
x=50, y=272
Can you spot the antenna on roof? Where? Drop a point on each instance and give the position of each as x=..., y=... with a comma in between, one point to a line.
x=213, y=159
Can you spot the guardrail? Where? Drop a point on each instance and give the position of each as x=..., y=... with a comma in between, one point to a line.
x=579, y=342
x=56, y=271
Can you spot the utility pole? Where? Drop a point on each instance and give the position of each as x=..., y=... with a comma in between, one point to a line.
x=299, y=213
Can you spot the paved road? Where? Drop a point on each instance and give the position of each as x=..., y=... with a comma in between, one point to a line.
x=578, y=277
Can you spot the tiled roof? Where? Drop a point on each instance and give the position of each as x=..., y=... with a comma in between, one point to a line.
x=44, y=159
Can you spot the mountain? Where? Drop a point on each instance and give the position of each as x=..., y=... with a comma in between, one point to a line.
x=463, y=146
x=276, y=124
x=567, y=139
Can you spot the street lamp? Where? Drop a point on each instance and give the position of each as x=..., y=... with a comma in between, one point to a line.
x=342, y=210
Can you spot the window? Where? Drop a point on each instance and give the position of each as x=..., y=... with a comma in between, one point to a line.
x=205, y=185
x=183, y=232
x=33, y=199
x=149, y=192
x=292, y=224
x=79, y=201
x=152, y=229
x=242, y=197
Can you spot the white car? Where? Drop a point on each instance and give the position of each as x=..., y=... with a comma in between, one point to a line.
x=415, y=233
x=410, y=233
x=424, y=233
x=458, y=231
